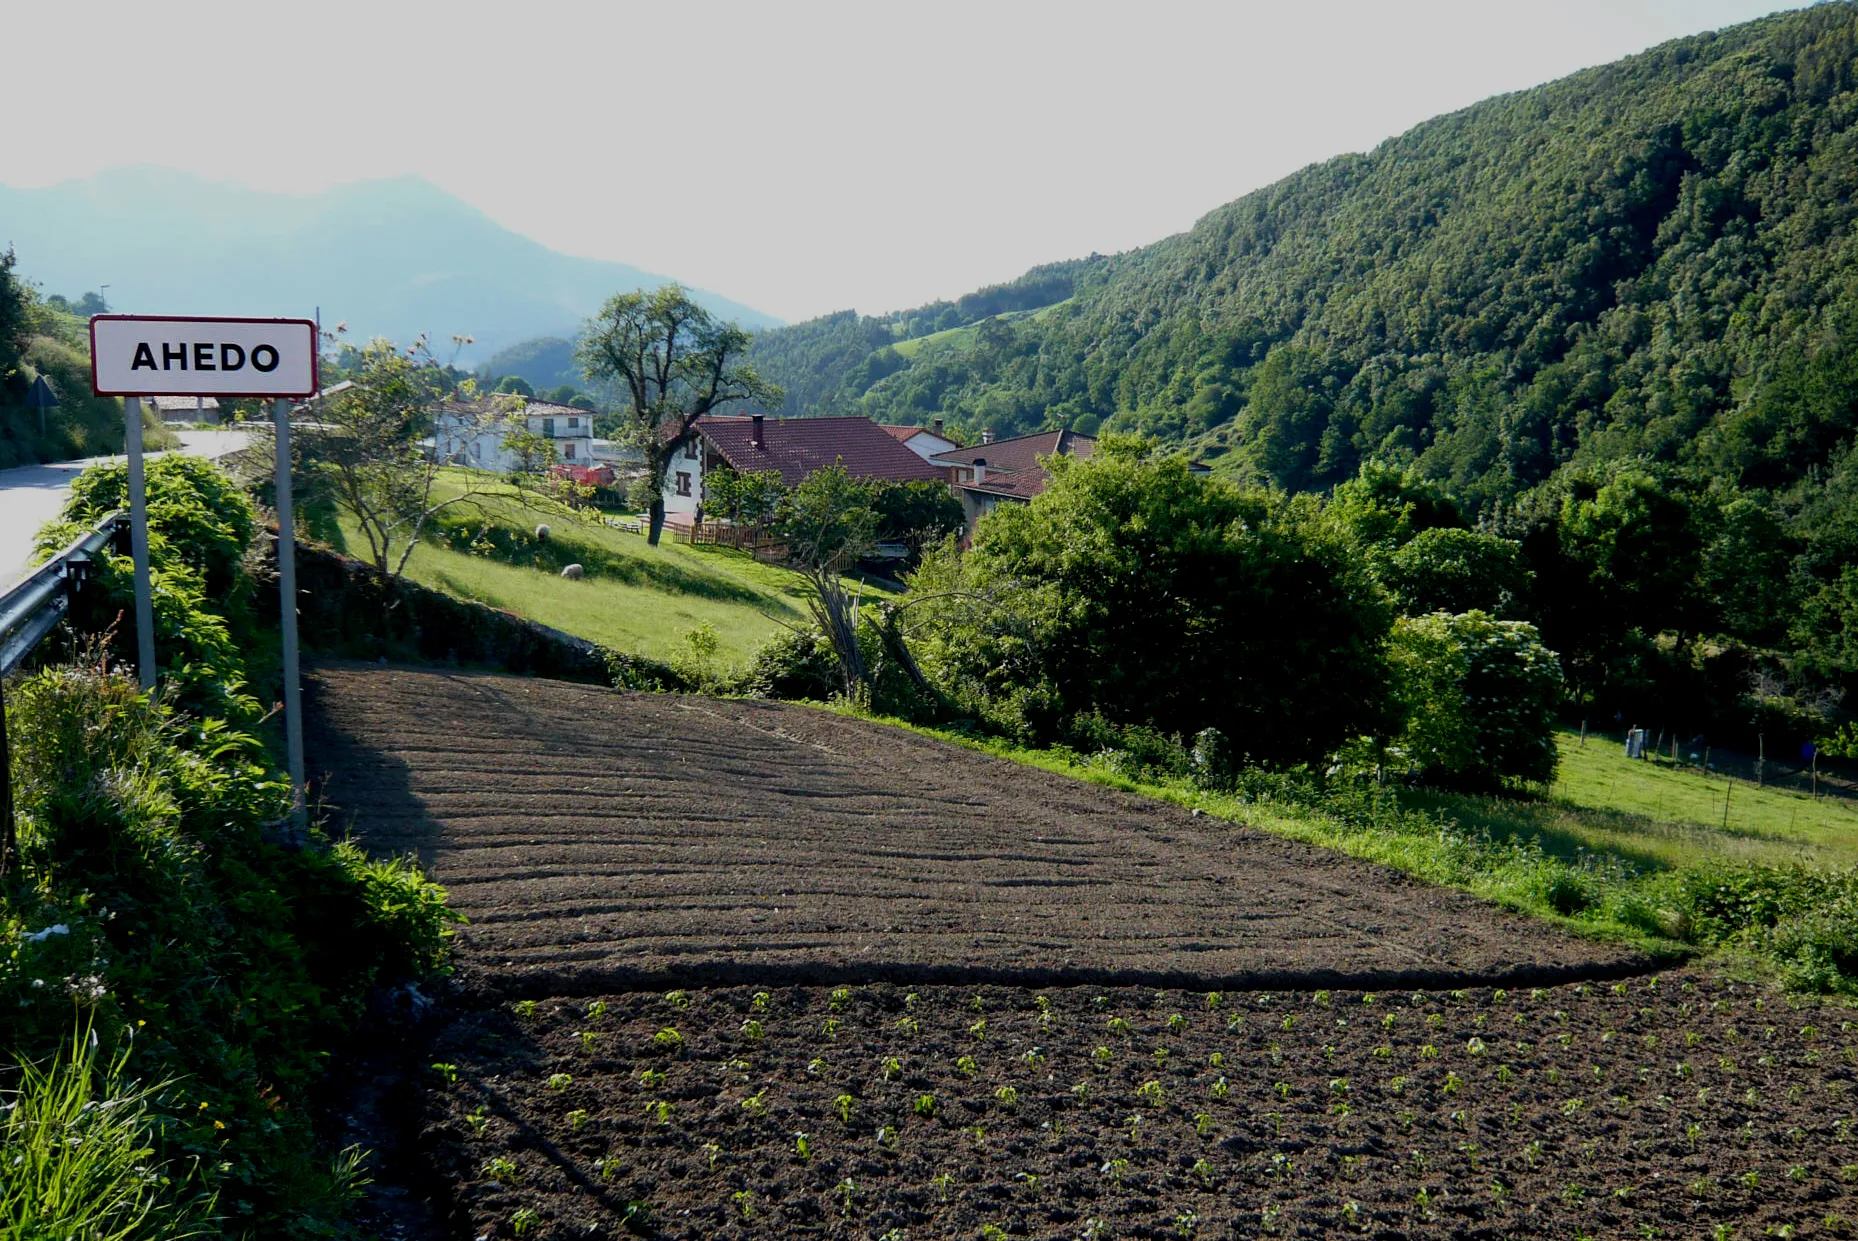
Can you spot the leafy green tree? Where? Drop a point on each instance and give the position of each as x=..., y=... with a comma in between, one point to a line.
x=515, y=385
x=1154, y=596
x=750, y=498
x=917, y=513
x=15, y=304
x=364, y=449
x=1449, y=570
x=672, y=363
x=1479, y=697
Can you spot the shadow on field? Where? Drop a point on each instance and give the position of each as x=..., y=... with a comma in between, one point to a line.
x=340, y=768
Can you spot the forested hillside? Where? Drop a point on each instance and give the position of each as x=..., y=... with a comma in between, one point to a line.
x=1650, y=258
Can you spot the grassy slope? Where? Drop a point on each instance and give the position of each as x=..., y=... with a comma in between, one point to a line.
x=1658, y=816
x=645, y=604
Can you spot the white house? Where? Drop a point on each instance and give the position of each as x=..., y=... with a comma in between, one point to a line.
x=474, y=433
x=185, y=409
x=925, y=442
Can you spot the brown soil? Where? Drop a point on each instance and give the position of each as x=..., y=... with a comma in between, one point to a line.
x=601, y=840
x=1678, y=1106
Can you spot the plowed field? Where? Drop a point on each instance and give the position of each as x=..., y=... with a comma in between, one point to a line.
x=737, y=970
x=605, y=840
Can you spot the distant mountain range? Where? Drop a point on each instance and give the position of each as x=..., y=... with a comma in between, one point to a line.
x=392, y=257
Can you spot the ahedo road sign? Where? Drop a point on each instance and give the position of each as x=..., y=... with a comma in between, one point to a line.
x=144, y=355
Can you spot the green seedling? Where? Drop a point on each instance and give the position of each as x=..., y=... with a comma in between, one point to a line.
x=978, y=1031
x=714, y=1150
x=1214, y=999
x=925, y=1105
x=887, y=1137
x=1203, y=1123
x=525, y=1009
x=760, y=1001
x=1204, y=1171
x=1187, y=1223
x=501, y=1168
x=1220, y=1089
x=966, y=1066
x=679, y=1000
x=660, y=1111
x=524, y=1220
x=751, y=1029
x=596, y=1010
x=756, y=1104
x=892, y=1068
x=1081, y=1092
x=651, y=1079
x=577, y=1119
x=908, y=1024
x=1176, y=1022
x=448, y=1071
x=976, y=1003
x=1236, y=1025
x=1161, y=1057
x=1034, y=1057
x=1115, y=1169
x=1007, y=1097
x=559, y=1081
x=838, y=999
x=479, y=1120
x=847, y=1191
x=1216, y=1060
x=1102, y=1055
x=668, y=1039
x=803, y=1147
x=830, y=1028
x=1150, y=1092
x=744, y=1203
x=843, y=1106
x=816, y=1066
x=941, y=1182
x=1118, y=1025
x=607, y=1168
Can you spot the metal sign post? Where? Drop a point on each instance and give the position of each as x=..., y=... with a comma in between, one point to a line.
x=138, y=543
x=287, y=611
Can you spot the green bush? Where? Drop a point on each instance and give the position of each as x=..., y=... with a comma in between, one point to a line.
x=793, y=664
x=1478, y=696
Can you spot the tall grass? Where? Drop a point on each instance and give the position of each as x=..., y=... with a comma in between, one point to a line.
x=77, y=1146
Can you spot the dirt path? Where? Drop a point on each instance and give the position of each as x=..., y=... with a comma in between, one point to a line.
x=601, y=840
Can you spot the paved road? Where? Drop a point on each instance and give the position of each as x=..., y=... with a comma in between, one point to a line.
x=32, y=495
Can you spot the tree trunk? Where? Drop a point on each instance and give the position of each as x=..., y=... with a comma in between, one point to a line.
x=657, y=521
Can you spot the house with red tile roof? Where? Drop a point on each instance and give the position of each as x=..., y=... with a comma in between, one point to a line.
x=794, y=447
x=1008, y=471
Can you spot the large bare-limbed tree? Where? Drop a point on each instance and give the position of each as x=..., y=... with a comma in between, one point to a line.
x=672, y=363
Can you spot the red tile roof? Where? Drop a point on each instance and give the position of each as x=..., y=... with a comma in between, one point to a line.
x=798, y=446
x=902, y=433
x=1022, y=452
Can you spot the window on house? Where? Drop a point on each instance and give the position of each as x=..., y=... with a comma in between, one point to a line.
x=548, y=427
x=567, y=450
x=690, y=450
x=574, y=424
x=683, y=483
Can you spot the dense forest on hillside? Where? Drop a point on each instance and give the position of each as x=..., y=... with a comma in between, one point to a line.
x=1654, y=257
x=1613, y=319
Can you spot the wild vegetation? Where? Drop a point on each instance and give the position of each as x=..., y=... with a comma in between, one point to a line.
x=174, y=978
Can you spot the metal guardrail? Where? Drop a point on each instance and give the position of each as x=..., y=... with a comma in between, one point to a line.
x=33, y=607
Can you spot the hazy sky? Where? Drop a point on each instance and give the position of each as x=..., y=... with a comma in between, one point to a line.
x=800, y=157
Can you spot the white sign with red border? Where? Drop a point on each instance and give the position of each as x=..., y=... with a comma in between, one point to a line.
x=148, y=355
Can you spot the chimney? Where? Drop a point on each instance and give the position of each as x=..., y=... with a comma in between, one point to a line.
x=980, y=469
x=987, y=435
x=755, y=435
x=936, y=427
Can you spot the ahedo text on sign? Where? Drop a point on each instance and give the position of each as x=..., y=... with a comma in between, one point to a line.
x=143, y=355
